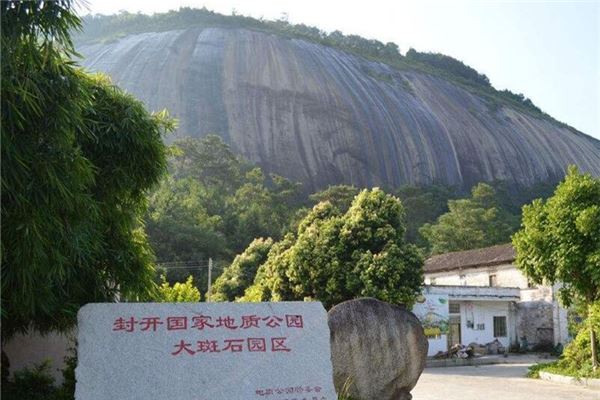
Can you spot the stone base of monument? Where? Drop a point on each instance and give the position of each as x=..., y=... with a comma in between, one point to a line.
x=378, y=350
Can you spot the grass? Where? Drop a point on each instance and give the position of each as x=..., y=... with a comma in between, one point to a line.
x=557, y=368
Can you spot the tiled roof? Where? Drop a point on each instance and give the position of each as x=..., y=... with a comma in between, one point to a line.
x=495, y=255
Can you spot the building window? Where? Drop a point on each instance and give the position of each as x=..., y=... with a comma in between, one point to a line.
x=493, y=280
x=499, y=326
x=454, y=308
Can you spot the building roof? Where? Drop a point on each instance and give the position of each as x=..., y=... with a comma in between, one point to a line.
x=488, y=256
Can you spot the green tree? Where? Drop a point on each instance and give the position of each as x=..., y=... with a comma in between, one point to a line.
x=179, y=225
x=470, y=223
x=78, y=158
x=178, y=293
x=271, y=282
x=423, y=205
x=237, y=277
x=210, y=161
x=215, y=204
x=559, y=242
x=335, y=257
x=340, y=196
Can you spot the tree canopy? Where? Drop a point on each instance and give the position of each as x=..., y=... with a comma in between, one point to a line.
x=559, y=241
x=337, y=256
x=340, y=196
x=470, y=223
x=78, y=158
x=237, y=277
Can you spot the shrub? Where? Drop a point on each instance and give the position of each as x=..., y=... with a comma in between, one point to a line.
x=576, y=358
x=179, y=292
x=31, y=384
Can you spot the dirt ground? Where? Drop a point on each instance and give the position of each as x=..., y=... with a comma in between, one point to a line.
x=493, y=382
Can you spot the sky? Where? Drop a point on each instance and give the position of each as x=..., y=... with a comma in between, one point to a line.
x=547, y=50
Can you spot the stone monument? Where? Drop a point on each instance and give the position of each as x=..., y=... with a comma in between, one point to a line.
x=204, y=351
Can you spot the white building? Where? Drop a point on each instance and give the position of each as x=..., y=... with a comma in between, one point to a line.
x=488, y=298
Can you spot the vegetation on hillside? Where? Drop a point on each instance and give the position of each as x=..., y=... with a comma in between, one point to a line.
x=475, y=222
x=101, y=28
x=214, y=204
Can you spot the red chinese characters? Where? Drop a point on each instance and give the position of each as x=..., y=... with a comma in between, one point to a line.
x=273, y=321
x=202, y=321
x=226, y=322
x=238, y=345
x=126, y=325
x=176, y=323
x=294, y=321
x=183, y=346
x=205, y=322
x=234, y=345
x=250, y=321
x=257, y=344
x=278, y=344
x=208, y=346
x=150, y=323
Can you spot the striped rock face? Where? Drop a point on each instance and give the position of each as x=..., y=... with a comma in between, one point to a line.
x=321, y=116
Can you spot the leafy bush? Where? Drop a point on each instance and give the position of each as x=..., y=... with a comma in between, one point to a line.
x=31, y=384
x=534, y=370
x=179, y=292
x=36, y=383
x=240, y=274
x=448, y=63
x=67, y=390
x=576, y=358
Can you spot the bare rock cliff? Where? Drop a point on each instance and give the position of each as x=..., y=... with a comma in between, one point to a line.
x=322, y=116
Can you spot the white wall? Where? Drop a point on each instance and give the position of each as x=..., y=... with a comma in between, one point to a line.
x=437, y=344
x=538, y=307
x=27, y=350
x=507, y=275
x=483, y=313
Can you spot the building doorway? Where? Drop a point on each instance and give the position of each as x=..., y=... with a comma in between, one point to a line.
x=454, y=331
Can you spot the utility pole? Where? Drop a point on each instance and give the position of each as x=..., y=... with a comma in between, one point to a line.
x=209, y=279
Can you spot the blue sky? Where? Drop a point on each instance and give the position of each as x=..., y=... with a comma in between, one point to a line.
x=547, y=50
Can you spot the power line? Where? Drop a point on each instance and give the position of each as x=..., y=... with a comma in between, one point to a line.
x=191, y=267
x=190, y=262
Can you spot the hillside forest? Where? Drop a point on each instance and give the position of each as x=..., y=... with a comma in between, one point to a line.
x=214, y=204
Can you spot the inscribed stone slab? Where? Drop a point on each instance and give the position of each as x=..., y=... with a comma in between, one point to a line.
x=204, y=351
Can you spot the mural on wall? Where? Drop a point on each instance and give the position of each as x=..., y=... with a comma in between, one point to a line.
x=433, y=313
